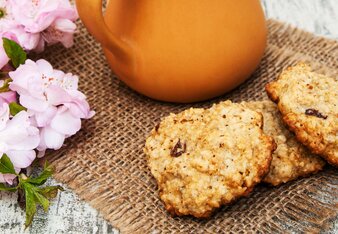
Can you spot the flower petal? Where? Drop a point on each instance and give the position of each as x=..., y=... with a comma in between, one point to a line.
x=21, y=159
x=52, y=138
x=66, y=123
x=3, y=57
x=18, y=133
x=29, y=143
x=44, y=67
x=41, y=153
x=43, y=118
x=4, y=115
x=33, y=103
x=7, y=178
x=9, y=96
x=64, y=25
x=57, y=95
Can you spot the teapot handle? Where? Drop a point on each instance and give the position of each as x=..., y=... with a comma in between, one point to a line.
x=90, y=12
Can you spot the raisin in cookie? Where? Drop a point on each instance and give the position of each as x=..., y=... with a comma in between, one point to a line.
x=291, y=159
x=308, y=103
x=203, y=159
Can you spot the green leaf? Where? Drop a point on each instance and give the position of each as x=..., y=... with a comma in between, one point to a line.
x=35, y=195
x=9, y=189
x=15, y=52
x=41, y=199
x=51, y=191
x=15, y=108
x=42, y=178
x=30, y=203
x=6, y=166
x=5, y=87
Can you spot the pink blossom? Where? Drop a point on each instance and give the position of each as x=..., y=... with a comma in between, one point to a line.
x=10, y=29
x=52, y=100
x=18, y=139
x=33, y=23
x=30, y=81
x=61, y=30
x=38, y=15
x=15, y=32
x=53, y=19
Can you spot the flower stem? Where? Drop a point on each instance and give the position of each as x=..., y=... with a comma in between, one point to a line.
x=4, y=74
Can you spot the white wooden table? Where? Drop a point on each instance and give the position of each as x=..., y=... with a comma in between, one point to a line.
x=68, y=214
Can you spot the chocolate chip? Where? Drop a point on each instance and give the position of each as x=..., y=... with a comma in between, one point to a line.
x=314, y=112
x=178, y=149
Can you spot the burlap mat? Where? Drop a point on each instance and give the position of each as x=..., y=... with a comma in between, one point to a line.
x=104, y=163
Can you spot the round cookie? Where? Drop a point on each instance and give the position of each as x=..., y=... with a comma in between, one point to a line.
x=308, y=103
x=291, y=159
x=203, y=159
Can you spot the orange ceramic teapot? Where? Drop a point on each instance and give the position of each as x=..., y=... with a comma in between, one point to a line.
x=179, y=50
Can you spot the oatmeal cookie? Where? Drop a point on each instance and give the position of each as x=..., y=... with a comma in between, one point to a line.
x=291, y=159
x=308, y=103
x=205, y=158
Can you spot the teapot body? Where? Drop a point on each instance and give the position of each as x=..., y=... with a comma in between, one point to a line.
x=186, y=50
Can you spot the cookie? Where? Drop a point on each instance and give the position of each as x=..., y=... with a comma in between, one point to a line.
x=291, y=159
x=308, y=103
x=205, y=158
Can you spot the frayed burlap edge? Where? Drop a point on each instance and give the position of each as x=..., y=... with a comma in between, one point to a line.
x=105, y=166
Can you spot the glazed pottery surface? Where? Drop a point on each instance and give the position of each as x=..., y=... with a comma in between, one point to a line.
x=179, y=50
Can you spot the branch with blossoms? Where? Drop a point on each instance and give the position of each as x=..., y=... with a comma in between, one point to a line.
x=39, y=106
